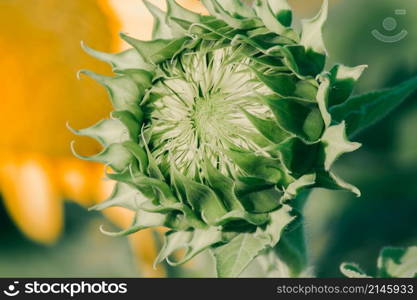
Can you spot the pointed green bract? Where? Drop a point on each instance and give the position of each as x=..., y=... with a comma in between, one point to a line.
x=268, y=128
x=220, y=122
x=129, y=59
x=193, y=242
x=298, y=185
x=330, y=181
x=312, y=36
x=177, y=11
x=275, y=18
x=342, y=81
x=282, y=11
x=237, y=8
x=124, y=92
x=142, y=220
x=304, y=62
x=123, y=196
x=156, y=51
x=107, y=132
x=115, y=156
x=336, y=144
x=161, y=29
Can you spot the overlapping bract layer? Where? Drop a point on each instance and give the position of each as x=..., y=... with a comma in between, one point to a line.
x=222, y=178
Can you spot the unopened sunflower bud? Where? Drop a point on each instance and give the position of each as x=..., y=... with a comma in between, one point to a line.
x=220, y=121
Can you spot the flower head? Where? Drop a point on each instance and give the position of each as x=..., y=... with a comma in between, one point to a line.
x=220, y=122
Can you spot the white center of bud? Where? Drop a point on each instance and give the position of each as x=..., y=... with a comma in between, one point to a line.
x=199, y=115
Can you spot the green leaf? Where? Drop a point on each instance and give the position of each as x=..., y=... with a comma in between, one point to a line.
x=233, y=257
x=336, y=143
x=312, y=36
x=398, y=262
x=352, y=271
x=365, y=110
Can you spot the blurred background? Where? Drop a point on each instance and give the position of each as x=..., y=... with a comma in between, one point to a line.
x=45, y=228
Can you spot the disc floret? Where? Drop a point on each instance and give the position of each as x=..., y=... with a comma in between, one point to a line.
x=201, y=114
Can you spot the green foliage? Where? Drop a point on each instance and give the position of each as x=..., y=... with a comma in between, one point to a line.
x=392, y=263
x=221, y=122
x=365, y=110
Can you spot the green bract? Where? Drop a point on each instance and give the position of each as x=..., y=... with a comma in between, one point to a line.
x=219, y=123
